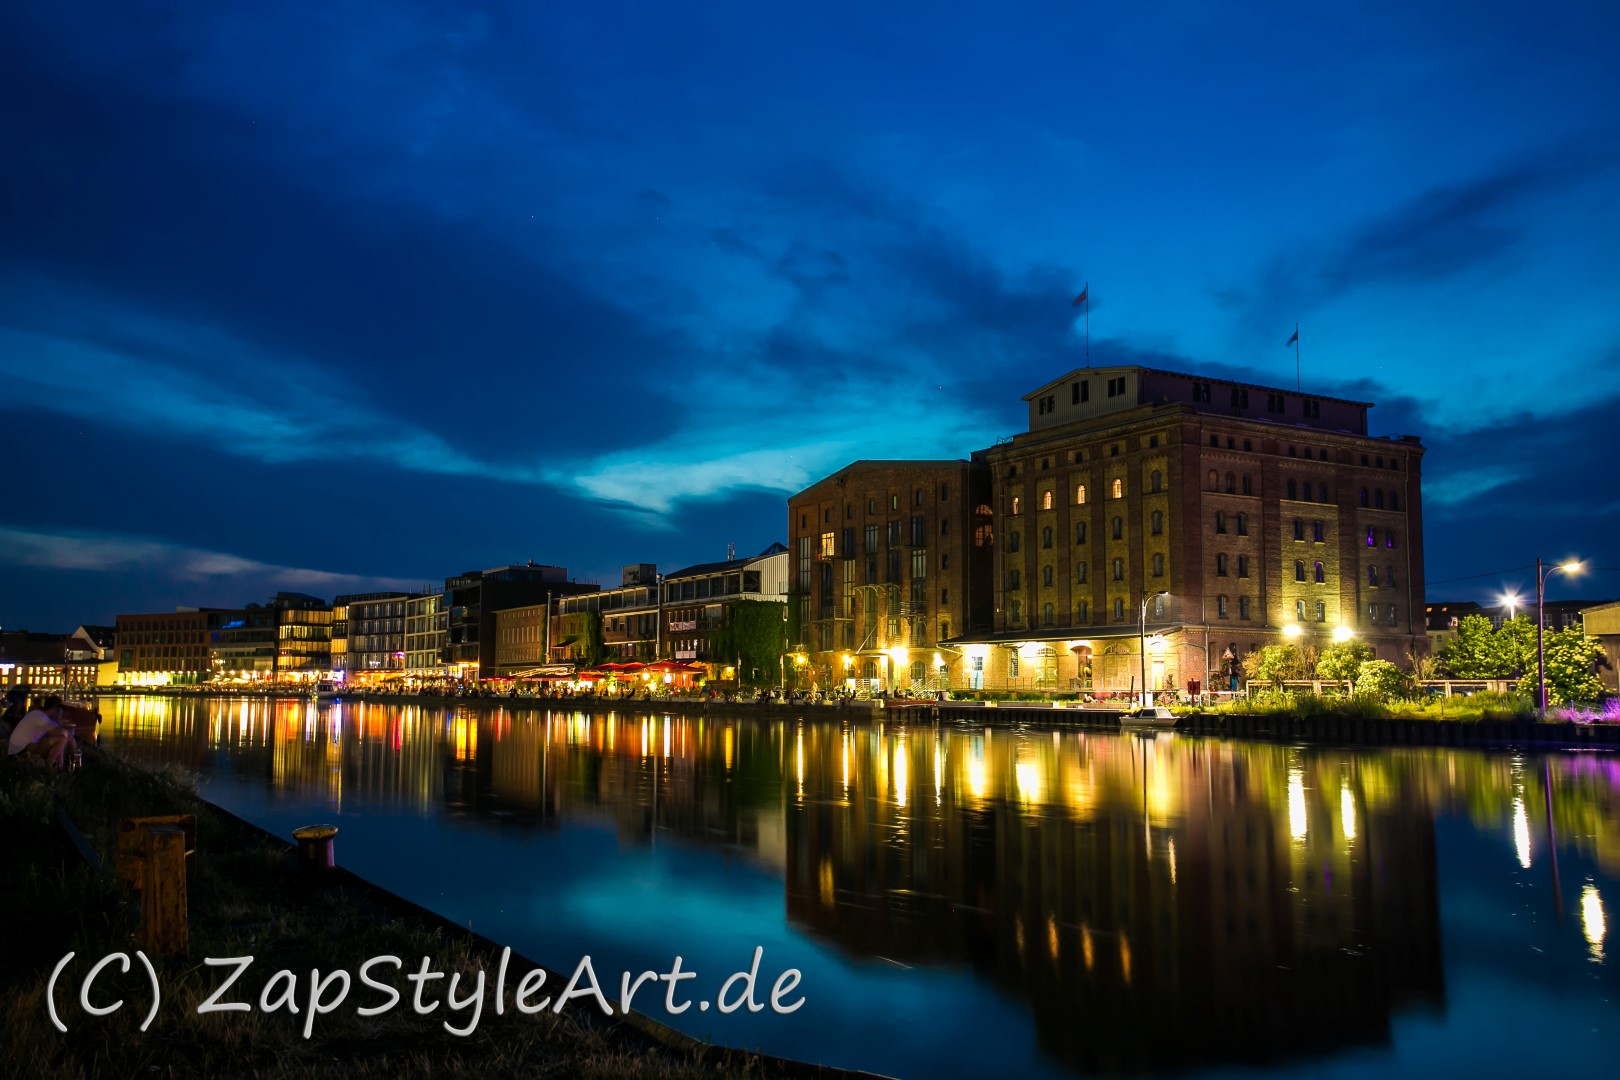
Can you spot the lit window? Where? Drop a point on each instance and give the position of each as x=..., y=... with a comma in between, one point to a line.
x=1046, y=500
x=1119, y=489
x=1080, y=495
x=1017, y=506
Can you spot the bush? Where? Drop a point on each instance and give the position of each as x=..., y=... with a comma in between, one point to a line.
x=1379, y=680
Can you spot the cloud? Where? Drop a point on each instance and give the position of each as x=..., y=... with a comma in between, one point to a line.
x=1443, y=232
x=112, y=553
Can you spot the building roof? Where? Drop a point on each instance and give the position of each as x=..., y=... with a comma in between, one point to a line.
x=884, y=463
x=1077, y=372
x=704, y=569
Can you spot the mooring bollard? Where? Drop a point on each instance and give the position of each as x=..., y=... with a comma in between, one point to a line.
x=315, y=855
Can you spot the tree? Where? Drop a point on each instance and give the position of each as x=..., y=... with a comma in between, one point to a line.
x=1379, y=680
x=1474, y=653
x=1340, y=662
x=1516, y=646
x=755, y=637
x=593, y=646
x=1276, y=663
x=1572, y=660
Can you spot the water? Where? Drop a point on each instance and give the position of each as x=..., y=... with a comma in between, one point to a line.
x=972, y=902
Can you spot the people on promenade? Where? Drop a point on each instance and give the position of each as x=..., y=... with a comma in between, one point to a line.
x=16, y=708
x=40, y=733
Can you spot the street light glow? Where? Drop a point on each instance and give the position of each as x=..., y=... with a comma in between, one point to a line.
x=1343, y=633
x=1292, y=630
x=1572, y=567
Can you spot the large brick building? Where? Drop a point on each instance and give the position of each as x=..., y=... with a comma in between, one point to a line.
x=890, y=560
x=1237, y=513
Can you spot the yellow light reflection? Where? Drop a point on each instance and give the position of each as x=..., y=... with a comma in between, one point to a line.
x=1347, y=812
x=901, y=770
x=1125, y=957
x=1297, y=825
x=977, y=777
x=1086, y=952
x=1592, y=920
x=1027, y=774
x=845, y=755
x=1051, y=936
x=798, y=759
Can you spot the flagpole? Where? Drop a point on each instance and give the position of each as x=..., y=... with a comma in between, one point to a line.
x=1297, y=383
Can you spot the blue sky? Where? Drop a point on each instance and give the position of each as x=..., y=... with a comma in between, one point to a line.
x=376, y=293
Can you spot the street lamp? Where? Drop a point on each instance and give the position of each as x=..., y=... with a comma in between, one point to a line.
x=1511, y=601
x=1543, y=572
x=1147, y=695
x=1342, y=633
x=1292, y=630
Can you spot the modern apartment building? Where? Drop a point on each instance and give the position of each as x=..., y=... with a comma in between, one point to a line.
x=472, y=599
x=621, y=624
x=700, y=601
x=373, y=636
x=169, y=648
x=426, y=635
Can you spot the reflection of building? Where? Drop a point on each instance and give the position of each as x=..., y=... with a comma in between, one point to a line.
x=472, y=599
x=891, y=558
x=700, y=604
x=1160, y=905
x=173, y=647
x=1253, y=509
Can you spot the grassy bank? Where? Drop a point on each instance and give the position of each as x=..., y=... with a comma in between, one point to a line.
x=246, y=899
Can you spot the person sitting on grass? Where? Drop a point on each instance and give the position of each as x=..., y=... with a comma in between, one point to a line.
x=40, y=733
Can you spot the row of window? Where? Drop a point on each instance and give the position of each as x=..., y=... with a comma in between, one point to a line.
x=918, y=495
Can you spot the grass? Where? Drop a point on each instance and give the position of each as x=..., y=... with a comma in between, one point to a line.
x=1480, y=706
x=246, y=899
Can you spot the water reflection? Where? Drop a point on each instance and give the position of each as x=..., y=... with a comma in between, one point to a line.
x=1154, y=902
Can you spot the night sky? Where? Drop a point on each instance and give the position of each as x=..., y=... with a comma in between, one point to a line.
x=349, y=296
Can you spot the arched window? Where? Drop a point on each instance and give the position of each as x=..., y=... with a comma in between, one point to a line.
x=1378, y=499
x=1389, y=538
x=1158, y=564
x=1392, y=614
x=1248, y=484
x=1243, y=524
x=1014, y=579
x=1299, y=529
x=1220, y=521
x=1046, y=500
x=1119, y=489
x=1158, y=607
x=1156, y=481
x=1243, y=566
x=1299, y=570
x=1046, y=536
x=1389, y=575
x=1322, y=492
x=1214, y=480
x=1046, y=576
x=1017, y=612
x=1321, y=611
x=1080, y=495
x=1119, y=528
x=1231, y=484
x=1082, y=612
x=1372, y=540
x=1158, y=522
x=1321, y=576
x=1119, y=569
x=1080, y=532
x=1080, y=573
x=1119, y=611
x=1243, y=607
x=1293, y=490
x=1046, y=615
x=1363, y=496
x=1220, y=607
x=1372, y=575
x=1220, y=565
x=1013, y=541
x=1299, y=610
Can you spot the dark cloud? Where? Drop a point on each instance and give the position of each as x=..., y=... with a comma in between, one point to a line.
x=1435, y=235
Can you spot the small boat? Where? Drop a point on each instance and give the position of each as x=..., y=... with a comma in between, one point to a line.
x=325, y=690
x=1150, y=716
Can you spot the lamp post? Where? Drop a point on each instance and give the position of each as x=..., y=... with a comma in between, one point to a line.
x=1147, y=695
x=1543, y=572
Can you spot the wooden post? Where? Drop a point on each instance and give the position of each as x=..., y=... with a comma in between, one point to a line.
x=163, y=893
